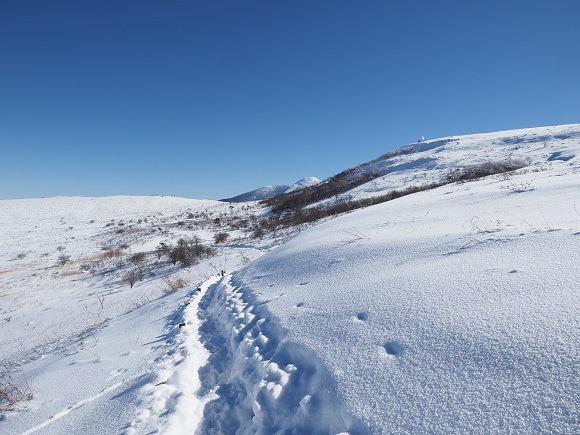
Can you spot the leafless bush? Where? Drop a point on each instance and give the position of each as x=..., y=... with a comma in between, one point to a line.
x=86, y=267
x=518, y=187
x=189, y=251
x=505, y=176
x=162, y=249
x=12, y=394
x=258, y=233
x=138, y=259
x=132, y=276
x=63, y=259
x=221, y=237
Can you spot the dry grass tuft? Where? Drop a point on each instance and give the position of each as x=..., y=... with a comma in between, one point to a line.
x=105, y=255
x=70, y=272
x=174, y=284
x=11, y=395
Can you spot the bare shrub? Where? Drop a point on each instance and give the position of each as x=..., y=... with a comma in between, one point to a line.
x=162, y=249
x=176, y=254
x=86, y=267
x=221, y=237
x=518, y=187
x=120, y=261
x=189, y=251
x=258, y=233
x=138, y=259
x=474, y=172
x=12, y=394
x=132, y=276
x=63, y=259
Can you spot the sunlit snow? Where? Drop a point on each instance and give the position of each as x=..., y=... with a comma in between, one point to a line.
x=452, y=310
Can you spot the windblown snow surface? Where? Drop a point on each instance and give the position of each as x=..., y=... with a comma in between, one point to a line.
x=452, y=310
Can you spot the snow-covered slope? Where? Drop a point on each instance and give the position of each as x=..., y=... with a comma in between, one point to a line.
x=433, y=160
x=76, y=336
x=452, y=310
x=273, y=191
x=449, y=311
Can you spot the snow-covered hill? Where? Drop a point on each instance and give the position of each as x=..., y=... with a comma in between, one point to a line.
x=267, y=192
x=431, y=161
x=451, y=310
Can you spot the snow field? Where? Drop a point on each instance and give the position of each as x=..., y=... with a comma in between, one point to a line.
x=449, y=311
x=92, y=384
x=85, y=343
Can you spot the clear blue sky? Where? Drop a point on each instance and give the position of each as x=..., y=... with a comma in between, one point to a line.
x=209, y=99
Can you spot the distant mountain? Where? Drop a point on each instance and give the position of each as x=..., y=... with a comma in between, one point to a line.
x=267, y=192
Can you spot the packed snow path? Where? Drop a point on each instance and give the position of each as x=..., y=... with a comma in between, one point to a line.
x=264, y=383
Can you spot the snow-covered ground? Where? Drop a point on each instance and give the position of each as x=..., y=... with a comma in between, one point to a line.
x=452, y=310
x=449, y=311
x=76, y=336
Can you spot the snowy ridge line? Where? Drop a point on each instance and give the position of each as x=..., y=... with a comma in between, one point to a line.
x=263, y=383
x=171, y=400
